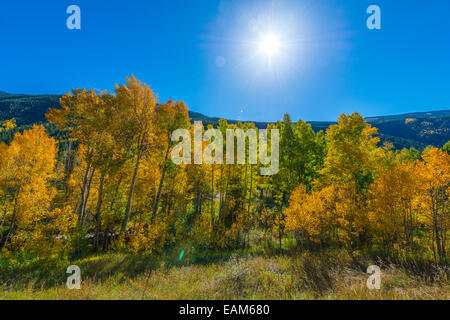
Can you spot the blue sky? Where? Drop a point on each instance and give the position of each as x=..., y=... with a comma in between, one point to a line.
x=206, y=53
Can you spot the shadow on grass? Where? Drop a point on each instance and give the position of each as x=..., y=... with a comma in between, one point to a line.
x=313, y=271
x=44, y=273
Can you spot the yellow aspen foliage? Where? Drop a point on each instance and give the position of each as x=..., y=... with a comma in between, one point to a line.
x=435, y=174
x=312, y=213
x=144, y=236
x=395, y=205
x=351, y=165
x=27, y=171
x=352, y=155
x=134, y=118
x=7, y=125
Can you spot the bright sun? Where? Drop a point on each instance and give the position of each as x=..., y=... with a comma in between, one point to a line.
x=269, y=45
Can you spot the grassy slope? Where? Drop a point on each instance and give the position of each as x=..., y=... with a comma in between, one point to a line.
x=330, y=275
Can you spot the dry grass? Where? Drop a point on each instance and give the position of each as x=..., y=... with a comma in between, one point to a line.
x=326, y=276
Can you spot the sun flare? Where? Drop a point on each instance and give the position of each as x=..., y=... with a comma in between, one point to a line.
x=269, y=45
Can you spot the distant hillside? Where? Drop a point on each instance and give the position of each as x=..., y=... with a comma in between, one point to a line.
x=429, y=115
x=427, y=128
x=404, y=131
x=26, y=109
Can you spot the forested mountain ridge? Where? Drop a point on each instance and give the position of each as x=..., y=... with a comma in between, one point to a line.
x=404, y=131
x=26, y=109
x=428, y=128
